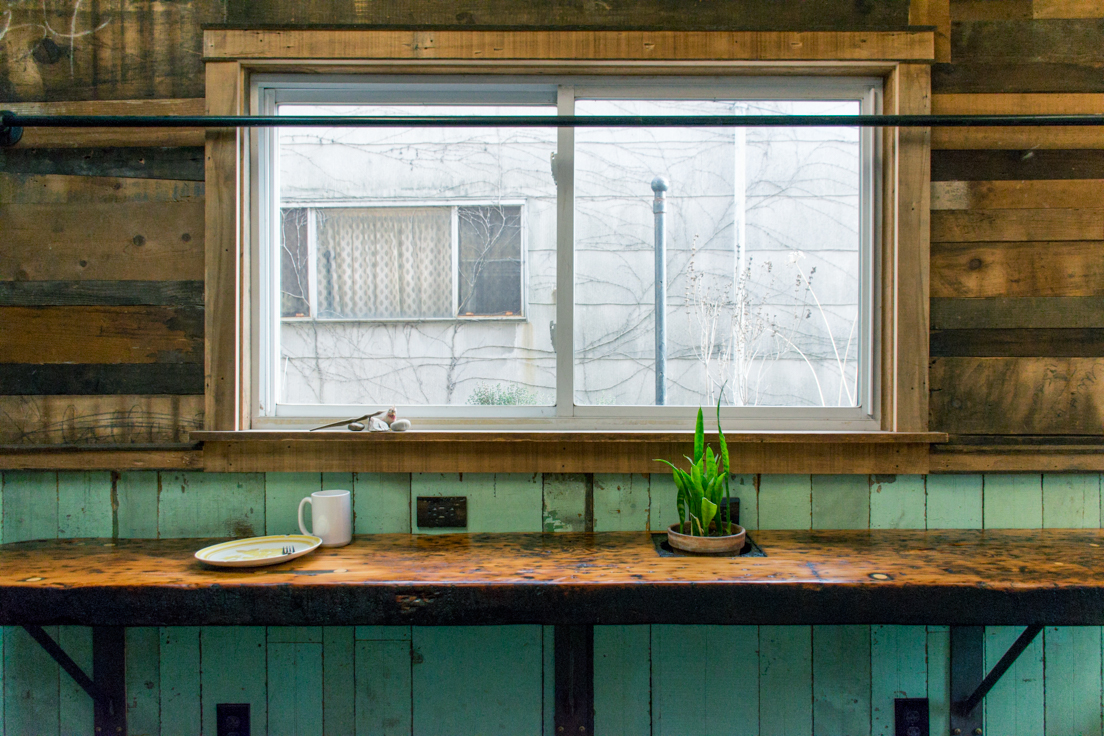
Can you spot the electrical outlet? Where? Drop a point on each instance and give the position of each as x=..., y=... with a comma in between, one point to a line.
x=442, y=512
x=232, y=719
x=910, y=716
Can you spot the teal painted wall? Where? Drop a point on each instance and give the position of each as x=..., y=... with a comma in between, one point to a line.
x=323, y=681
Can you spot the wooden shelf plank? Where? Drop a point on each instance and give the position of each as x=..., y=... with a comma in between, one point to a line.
x=958, y=577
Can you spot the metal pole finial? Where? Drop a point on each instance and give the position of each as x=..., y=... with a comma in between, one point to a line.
x=9, y=134
x=660, y=184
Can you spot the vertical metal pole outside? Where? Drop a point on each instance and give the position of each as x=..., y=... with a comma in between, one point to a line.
x=659, y=207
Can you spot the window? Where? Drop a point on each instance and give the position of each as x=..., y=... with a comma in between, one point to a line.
x=401, y=263
x=508, y=275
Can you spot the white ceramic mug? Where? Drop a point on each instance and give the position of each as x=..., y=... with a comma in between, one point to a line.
x=331, y=517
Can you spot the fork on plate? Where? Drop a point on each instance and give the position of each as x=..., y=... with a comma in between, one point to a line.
x=288, y=549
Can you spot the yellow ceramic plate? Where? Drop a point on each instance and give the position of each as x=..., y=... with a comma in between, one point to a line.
x=258, y=551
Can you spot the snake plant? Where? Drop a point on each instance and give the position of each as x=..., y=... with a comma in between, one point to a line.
x=702, y=489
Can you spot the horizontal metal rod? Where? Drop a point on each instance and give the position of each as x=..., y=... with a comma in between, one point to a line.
x=9, y=119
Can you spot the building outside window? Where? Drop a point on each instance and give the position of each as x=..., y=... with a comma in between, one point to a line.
x=427, y=267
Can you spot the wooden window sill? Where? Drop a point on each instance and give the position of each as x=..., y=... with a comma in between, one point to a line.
x=558, y=452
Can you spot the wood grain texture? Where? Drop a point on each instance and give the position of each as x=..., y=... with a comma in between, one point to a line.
x=1017, y=41
x=1023, y=269
x=101, y=52
x=1018, y=460
x=1017, y=165
x=101, y=335
x=1017, y=395
x=222, y=259
x=1067, y=9
x=950, y=226
x=988, y=343
x=43, y=137
x=621, y=502
x=85, y=458
x=16, y=188
x=135, y=497
x=62, y=379
x=143, y=680
x=938, y=577
x=129, y=241
x=294, y=688
x=550, y=456
x=1072, y=685
x=965, y=10
x=1014, y=501
x=101, y=293
x=222, y=44
x=178, y=164
x=665, y=14
x=1022, y=194
x=1017, y=138
x=1018, y=313
x=934, y=13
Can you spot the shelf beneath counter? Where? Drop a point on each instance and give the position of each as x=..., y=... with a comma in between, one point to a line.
x=954, y=577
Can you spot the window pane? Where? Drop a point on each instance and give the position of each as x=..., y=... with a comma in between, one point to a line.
x=762, y=258
x=414, y=228
x=490, y=261
x=384, y=262
x=294, y=269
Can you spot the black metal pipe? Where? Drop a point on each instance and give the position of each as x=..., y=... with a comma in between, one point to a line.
x=11, y=120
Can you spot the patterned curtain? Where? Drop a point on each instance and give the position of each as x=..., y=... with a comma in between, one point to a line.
x=384, y=262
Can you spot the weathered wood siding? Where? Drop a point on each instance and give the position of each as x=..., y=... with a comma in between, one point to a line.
x=1016, y=274
x=400, y=680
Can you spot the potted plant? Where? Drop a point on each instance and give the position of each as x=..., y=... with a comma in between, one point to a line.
x=702, y=493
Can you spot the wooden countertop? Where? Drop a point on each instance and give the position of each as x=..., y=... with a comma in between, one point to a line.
x=1053, y=577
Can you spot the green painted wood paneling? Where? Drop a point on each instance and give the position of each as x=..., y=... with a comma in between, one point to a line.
x=211, y=505
x=662, y=497
x=743, y=487
x=1071, y=501
x=75, y=708
x=143, y=681
x=383, y=688
x=622, y=680
x=704, y=680
x=1014, y=707
x=954, y=501
x=563, y=502
x=496, y=502
x=30, y=505
x=136, y=493
x=1013, y=501
x=234, y=671
x=1072, y=685
x=841, y=501
x=382, y=633
x=282, y=494
x=785, y=680
x=785, y=502
x=897, y=502
x=898, y=669
x=294, y=635
x=841, y=680
x=31, y=702
x=338, y=681
x=84, y=504
x=939, y=679
x=478, y=680
x=548, y=657
x=180, y=680
x=295, y=689
x=620, y=502
x=381, y=504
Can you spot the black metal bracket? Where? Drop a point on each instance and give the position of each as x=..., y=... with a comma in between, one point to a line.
x=967, y=666
x=108, y=690
x=9, y=134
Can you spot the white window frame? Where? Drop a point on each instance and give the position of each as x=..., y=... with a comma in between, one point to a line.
x=269, y=90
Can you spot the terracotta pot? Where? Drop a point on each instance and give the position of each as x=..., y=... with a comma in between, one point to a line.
x=733, y=542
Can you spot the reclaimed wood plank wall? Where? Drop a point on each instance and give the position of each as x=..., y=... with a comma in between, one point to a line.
x=783, y=680
x=1018, y=225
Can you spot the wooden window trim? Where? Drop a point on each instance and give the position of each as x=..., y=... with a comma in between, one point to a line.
x=902, y=59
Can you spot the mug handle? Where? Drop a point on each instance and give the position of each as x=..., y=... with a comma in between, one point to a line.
x=302, y=526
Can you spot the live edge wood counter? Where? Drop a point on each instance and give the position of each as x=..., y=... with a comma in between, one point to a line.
x=1053, y=577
